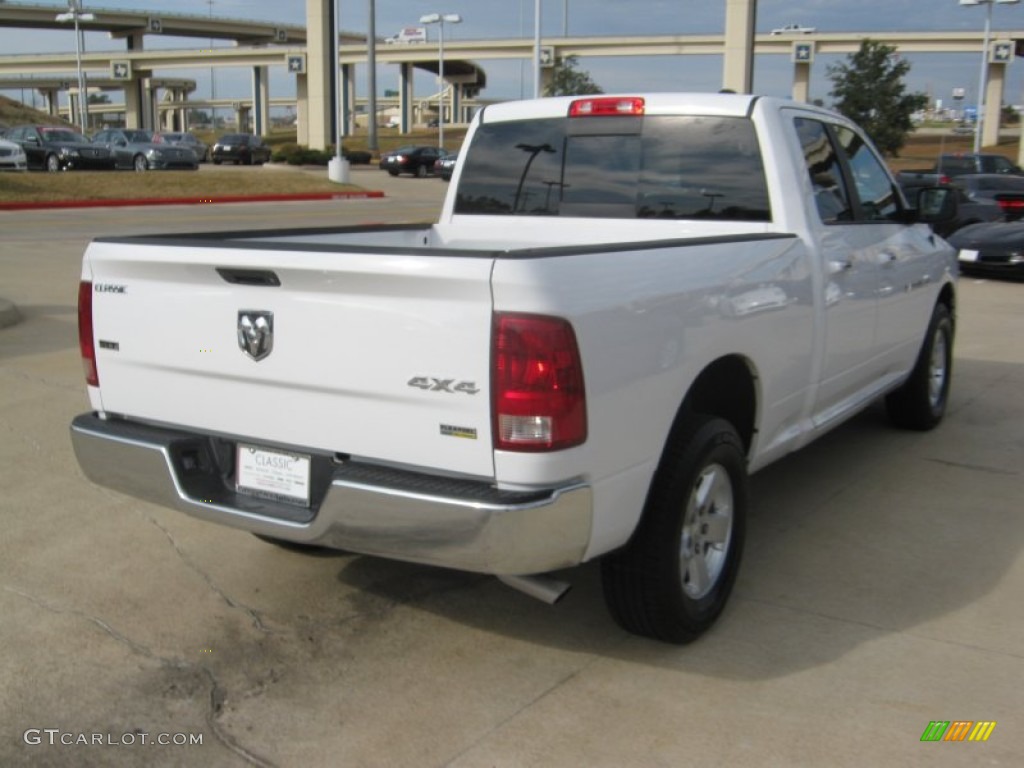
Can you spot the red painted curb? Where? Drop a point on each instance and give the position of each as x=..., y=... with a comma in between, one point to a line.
x=115, y=203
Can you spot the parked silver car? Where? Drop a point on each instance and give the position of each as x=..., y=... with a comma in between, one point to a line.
x=135, y=150
x=12, y=156
x=179, y=139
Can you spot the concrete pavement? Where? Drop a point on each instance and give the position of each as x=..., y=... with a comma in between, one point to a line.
x=880, y=591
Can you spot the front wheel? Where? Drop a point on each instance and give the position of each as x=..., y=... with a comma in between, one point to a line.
x=139, y=164
x=52, y=163
x=921, y=402
x=674, y=577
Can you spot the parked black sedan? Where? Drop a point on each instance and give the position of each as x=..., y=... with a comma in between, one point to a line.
x=419, y=161
x=995, y=249
x=241, y=149
x=55, y=148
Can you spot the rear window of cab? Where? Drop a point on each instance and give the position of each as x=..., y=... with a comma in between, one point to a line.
x=653, y=166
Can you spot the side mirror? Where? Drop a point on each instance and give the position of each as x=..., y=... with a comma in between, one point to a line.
x=936, y=204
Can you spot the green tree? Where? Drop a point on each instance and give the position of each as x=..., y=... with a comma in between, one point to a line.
x=869, y=89
x=567, y=80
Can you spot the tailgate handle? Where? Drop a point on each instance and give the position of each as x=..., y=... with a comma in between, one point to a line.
x=254, y=277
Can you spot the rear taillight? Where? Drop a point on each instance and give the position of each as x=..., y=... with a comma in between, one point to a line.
x=538, y=398
x=1011, y=207
x=85, y=337
x=607, y=106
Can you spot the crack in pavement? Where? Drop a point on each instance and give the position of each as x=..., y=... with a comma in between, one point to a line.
x=217, y=698
x=252, y=613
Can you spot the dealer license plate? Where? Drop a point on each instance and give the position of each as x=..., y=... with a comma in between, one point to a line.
x=273, y=474
x=968, y=255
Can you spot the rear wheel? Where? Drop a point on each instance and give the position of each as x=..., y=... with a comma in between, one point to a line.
x=673, y=578
x=921, y=402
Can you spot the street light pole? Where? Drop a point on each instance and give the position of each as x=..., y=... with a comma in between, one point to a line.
x=75, y=14
x=337, y=167
x=536, y=49
x=979, y=121
x=440, y=19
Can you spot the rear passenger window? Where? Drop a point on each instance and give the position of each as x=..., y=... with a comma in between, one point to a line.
x=850, y=182
x=823, y=167
x=617, y=167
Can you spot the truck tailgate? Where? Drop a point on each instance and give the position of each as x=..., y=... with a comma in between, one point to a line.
x=373, y=355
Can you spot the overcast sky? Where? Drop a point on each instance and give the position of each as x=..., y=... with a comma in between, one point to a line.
x=934, y=74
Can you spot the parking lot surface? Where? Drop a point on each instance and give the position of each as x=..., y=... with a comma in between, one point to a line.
x=880, y=590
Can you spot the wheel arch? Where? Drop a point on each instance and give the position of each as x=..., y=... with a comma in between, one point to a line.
x=726, y=388
x=947, y=296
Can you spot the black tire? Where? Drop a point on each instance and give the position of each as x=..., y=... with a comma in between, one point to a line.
x=52, y=163
x=921, y=402
x=139, y=164
x=421, y=172
x=392, y=173
x=696, y=505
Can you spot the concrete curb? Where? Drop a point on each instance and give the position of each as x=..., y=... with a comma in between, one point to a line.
x=117, y=203
x=9, y=314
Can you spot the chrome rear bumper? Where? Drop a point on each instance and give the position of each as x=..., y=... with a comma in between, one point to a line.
x=369, y=509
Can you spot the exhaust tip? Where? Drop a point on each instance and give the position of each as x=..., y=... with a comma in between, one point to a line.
x=543, y=588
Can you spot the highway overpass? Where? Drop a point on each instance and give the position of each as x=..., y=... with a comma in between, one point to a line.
x=308, y=55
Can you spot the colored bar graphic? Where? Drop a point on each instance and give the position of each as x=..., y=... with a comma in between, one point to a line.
x=982, y=731
x=935, y=731
x=958, y=730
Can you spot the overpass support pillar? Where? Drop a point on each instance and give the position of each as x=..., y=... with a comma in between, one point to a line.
x=50, y=96
x=994, y=91
x=134, y=92
x=133, y=103
x=738, y=63
x=301, y=110
x=320, y=74
x=405, y=97
x=261, y=101
x=801, y=82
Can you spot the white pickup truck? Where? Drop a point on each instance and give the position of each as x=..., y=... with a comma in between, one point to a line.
x=627, y=305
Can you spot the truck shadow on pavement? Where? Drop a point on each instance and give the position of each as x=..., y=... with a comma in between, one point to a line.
x=870, y=531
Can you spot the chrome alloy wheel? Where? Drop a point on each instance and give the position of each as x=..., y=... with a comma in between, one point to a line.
x=707, y=530
x=937, y=370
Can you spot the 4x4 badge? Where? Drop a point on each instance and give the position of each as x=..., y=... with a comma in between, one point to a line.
x=256, y=333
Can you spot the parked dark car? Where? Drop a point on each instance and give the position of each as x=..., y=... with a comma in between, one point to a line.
x=969, y=162
x=241, y=149
x=179, y=139
x=1006, y=191
x=56, y=148
x=419, y=161
x=981, y=197
x=356, y=156
x=444, y=166
x=994, y=249
x=136, y=150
